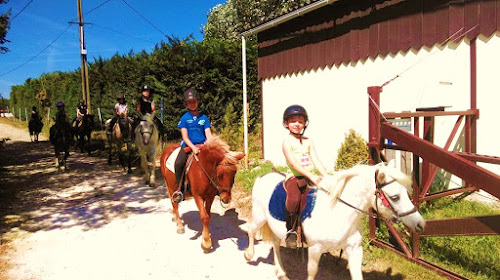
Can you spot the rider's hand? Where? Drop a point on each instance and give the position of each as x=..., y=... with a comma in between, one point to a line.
x=317, y=179
x=195, y=150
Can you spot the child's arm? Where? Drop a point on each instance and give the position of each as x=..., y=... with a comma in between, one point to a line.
x=208, y=133
x=138, y=108
x=152, y=108
x=317, y=163
x=185, y=138
x=297, y=166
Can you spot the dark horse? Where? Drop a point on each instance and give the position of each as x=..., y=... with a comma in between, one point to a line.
x=35, y=126
x=61, y=137
x=120, y=134
x=211, y=173
x=82, y=131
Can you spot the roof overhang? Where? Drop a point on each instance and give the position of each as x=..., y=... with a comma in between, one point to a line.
x=287, y=17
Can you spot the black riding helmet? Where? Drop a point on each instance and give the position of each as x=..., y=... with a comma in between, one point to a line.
x=120, y=96
x=295, y=110
x=191, y=94
x=147, y=88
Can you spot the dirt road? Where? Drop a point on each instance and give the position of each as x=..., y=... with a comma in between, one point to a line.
x=96, y=222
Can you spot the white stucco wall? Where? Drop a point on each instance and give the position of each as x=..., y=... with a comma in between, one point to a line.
x=336, y=99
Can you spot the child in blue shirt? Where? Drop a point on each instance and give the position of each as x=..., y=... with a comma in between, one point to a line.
x=195, y=129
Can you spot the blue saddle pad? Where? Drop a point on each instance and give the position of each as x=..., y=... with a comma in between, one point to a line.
x=277, y=203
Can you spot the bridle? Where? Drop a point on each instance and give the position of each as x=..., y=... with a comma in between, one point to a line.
x=379, y=194
x=213, y=181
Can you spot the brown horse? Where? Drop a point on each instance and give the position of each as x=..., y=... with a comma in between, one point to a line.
x=210, y=174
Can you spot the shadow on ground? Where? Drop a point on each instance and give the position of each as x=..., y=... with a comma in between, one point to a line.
x=222, y=227
x=35, y=196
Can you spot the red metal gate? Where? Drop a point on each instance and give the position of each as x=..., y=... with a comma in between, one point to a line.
x=433, y=157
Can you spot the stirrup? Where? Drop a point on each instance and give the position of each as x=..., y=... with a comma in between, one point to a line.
x=177, y=197
x=291, y=239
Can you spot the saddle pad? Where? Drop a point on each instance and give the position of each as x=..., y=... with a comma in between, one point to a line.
x=277, y=203
x=170, y=162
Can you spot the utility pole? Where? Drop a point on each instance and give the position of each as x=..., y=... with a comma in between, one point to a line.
x=83, y=52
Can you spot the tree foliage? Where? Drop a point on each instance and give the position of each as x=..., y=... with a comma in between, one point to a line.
x=4, y=27
x=213, y=67
x=352, y=151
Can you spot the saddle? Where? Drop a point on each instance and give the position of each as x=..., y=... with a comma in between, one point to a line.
x=184, y=184
x=277, y=207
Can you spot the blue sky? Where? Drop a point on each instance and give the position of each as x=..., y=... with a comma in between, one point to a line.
x=113, y=28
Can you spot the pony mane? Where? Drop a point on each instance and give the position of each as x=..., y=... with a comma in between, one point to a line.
x=228, y=164
x=335, y=184
x=215, y=142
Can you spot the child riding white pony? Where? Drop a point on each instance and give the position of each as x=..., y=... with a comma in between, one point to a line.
x=335, y=221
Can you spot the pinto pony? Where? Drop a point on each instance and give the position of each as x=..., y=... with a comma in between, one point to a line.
x=146, y=139
x=335, y=221
x=211, y=173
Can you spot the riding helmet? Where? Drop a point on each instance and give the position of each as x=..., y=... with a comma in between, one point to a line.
x=295, y=110
x=81, y=102
x=60, y=104
x=120, y=96
x=191, y=94
x=147, y=88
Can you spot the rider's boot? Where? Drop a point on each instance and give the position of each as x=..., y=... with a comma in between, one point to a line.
x=291, y=230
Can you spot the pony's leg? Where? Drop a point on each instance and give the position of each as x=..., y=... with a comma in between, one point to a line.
x=314, y=254
x=278, y=264
x=206, y=241
x=258, y=220
x=144, y=166
x=177, y=218
x=129, y=158
x=354, y=252
x=152, y=178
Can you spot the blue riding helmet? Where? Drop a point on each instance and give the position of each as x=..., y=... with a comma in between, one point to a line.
x=60, y=104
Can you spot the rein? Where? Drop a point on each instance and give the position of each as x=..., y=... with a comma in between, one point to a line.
x=212, y=181
x=379, y=193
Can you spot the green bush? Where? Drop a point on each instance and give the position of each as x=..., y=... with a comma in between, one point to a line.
x=353, y=151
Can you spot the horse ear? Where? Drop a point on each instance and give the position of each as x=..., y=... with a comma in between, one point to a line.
x=392, y=163
x=381, y=177
x=236, y=155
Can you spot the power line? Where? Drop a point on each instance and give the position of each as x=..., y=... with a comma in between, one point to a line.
x=14, y=17
x=39, y=53
x=150, y=23
x=119, y=32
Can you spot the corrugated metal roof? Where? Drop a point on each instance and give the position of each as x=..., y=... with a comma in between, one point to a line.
x=348, y=31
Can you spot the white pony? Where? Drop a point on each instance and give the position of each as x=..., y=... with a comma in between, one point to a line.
x=146, y=138
x=335, y=223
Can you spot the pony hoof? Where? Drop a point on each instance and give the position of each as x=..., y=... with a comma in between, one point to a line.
x=129, y=171
x=248, y=255
x=109, y=161
x=152, y=185
x=180, y=230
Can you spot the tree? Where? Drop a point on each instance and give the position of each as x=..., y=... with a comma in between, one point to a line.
x=4, y=27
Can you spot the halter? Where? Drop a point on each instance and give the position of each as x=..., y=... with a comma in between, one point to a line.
x=379, y=194
x=211, y=179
